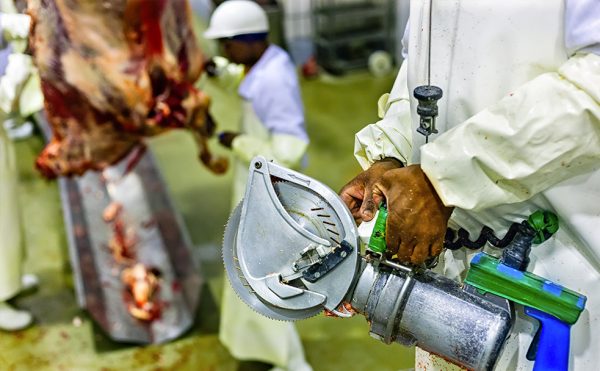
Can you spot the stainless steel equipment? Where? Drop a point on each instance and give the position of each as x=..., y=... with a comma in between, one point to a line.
x=347, y=33
x=161, y=242
x=291, y=249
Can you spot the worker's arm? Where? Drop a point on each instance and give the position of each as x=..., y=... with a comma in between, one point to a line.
x=15, y=27
x=541, y=134
x=284, y=149
x=279, y=107
x=383, y=146
x=223, y=75
x=546, y=131
x=380, y=147
x=19, y=85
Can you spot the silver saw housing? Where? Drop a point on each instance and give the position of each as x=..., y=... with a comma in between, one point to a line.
x=291, y=249
x=284, y=238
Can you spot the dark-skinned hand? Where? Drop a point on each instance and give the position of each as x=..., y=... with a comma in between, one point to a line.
x=210, y=126
x=417, y=218
x=358, y=193
x=226, y=138
x=210, y=67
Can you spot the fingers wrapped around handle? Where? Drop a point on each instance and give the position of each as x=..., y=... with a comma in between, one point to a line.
x=417, y=218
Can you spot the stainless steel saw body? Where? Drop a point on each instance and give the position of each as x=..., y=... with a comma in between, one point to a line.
x=288, y=220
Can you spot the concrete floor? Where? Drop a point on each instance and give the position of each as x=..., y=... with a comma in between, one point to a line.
x=64, y=338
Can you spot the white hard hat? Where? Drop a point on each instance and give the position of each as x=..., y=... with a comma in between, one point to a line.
x=237, y=17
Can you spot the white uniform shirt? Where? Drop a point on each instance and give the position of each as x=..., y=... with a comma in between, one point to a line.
x=272, y=87
x=519, y=131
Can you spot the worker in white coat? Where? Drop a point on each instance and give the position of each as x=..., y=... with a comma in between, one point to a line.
x=20, y=96
x=272, y=126
x=519, y=127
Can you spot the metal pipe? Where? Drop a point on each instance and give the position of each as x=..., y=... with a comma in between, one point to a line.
x=432, y=312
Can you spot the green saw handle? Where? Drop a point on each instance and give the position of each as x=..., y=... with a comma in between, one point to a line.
x=377, y=241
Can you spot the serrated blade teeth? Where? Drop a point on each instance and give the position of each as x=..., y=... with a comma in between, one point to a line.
x=240, y=285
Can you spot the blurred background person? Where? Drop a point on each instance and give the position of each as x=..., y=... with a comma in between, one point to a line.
x=272, y=126
x=20, y=97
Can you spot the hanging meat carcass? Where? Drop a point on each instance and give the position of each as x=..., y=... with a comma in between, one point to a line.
x=113, y=72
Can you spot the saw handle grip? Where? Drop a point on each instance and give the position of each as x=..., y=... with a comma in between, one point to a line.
x=553, y=342
x=377, y=242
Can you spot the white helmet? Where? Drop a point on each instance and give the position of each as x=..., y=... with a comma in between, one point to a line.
x=237, y=17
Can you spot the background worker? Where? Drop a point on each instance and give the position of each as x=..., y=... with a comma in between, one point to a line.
x=519, y=131
x=272, y=126
x=20, y=97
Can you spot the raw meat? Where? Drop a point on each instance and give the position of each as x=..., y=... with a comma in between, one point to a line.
x=114, y=72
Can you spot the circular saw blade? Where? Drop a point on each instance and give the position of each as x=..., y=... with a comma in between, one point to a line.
x=241, y=286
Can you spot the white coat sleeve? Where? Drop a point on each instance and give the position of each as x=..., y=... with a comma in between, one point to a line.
x=546, y=131
x=20, y=90
x=18, y=71
x=392, y=135
x=228, y=75
x=286, y=150
x=15, y=26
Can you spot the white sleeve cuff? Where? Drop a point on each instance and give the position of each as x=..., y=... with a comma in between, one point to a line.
x=386, y=138
x=228, y=75
x=15, y=26
x=286, y=150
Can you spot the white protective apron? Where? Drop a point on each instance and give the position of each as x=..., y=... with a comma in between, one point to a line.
x=247, y=334
x=476, y=59
x=11, y=252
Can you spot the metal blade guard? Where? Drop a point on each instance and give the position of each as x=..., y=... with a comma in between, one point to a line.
x=284, y=240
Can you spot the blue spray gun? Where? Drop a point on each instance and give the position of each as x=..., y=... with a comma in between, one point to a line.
x=555, y=307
